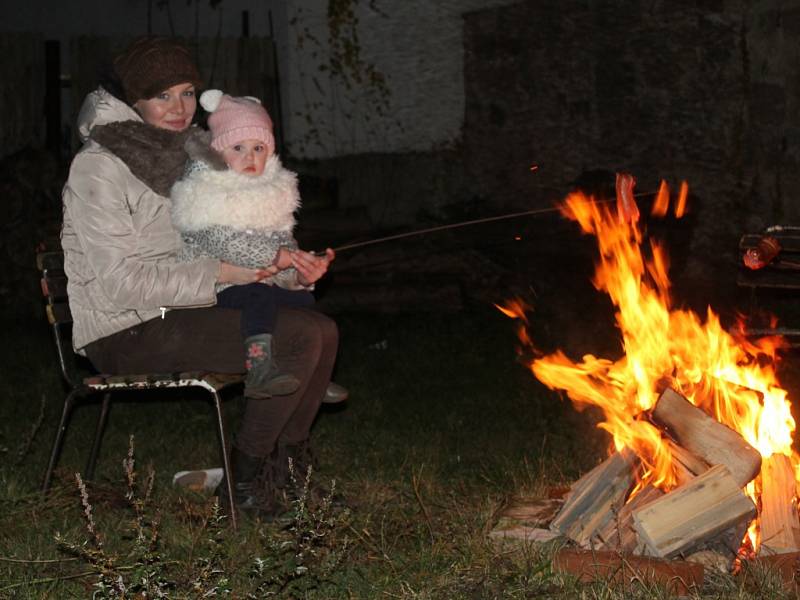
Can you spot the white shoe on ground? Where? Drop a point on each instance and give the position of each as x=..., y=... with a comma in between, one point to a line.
x=204, y=480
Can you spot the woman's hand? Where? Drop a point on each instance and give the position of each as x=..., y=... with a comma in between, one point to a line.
x=311, y=267
x=229, y=273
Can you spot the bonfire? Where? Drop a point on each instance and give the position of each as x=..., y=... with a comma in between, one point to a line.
x=701, y=428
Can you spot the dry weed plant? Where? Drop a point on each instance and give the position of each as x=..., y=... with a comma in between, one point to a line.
x=211, y=579
x=303, y=557
x=296, y=555
x=141, y=572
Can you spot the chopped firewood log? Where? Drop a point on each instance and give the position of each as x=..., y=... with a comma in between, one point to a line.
x=618, y=534
x=534, y=512
x=780, y=525
x=727, y=544
x=523, y=533
x=523, y=518
x=687, y=465
x=595, y=496
x=732, y=539
x=691, y=514
x=706, y=437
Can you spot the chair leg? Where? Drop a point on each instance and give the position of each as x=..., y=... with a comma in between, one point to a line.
x=98, y=435
x=69, y=402
x=226, y=463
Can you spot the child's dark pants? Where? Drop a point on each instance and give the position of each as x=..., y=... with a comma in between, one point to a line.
x=259, y=302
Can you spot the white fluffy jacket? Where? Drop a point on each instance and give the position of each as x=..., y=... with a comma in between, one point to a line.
x=237, y=218
x=209, y=198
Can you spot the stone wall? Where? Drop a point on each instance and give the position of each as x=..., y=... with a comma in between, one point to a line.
x=701, y=91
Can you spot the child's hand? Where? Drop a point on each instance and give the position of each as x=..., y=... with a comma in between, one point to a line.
x=283, y=259
x=270, y=271
x=310, y=267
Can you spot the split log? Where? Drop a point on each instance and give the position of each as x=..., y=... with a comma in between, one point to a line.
x=732, y=539
x=706, y=437
x=710, y=504
x=594, y=497
x=780, y=525
x=523, y=533
x=687, y=465
x=534, y=512
x=523, y=519
x=726, y=544
x=619, y=534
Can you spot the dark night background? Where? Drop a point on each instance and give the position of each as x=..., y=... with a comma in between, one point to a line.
x=405, y=115
x=702, y=91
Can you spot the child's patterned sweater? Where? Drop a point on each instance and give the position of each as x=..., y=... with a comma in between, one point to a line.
x=239, y=219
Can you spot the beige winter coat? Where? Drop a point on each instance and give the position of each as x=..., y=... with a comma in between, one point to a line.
x=118, y=239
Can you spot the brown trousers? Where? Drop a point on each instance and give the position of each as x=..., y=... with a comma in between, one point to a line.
x=210, y=339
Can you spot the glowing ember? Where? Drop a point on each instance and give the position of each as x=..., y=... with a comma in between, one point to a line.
x=732, y=379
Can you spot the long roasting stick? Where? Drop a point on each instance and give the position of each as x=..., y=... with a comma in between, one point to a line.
x=538, y=211
x=398, y=236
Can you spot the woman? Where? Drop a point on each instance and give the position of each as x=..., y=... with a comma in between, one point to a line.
x=135, y=307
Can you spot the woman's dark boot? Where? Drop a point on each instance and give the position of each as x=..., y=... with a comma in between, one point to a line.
x=253, y=487
x=302, y=460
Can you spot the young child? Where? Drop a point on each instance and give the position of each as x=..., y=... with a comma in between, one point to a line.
x=242, y=212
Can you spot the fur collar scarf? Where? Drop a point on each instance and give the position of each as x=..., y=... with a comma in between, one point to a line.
x=154, y=156
x=207, y=198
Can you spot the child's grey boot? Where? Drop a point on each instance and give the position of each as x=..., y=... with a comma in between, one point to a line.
x=263, y=378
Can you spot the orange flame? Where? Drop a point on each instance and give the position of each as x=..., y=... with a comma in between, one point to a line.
x=661, y=204
x=680, y=206
x=731, y=378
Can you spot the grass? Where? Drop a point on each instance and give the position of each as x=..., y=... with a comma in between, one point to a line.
x=442, y=427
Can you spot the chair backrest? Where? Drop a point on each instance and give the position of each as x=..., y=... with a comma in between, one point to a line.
x=54, y=290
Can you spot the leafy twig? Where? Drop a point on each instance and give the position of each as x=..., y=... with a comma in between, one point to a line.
x=34, y=561
x=415, y=485
x=47, y=580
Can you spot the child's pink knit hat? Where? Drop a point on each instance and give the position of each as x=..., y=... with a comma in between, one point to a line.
x=233, y=120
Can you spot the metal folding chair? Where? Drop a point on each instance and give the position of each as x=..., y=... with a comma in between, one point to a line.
x=54, y=290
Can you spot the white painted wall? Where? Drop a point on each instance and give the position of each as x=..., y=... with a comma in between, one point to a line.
x=417, y=44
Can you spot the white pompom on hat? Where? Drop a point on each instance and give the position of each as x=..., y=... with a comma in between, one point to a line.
x=233, y=120
x=209, y=100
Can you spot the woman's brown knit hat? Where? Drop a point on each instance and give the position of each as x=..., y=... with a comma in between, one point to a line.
x=153, y=64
